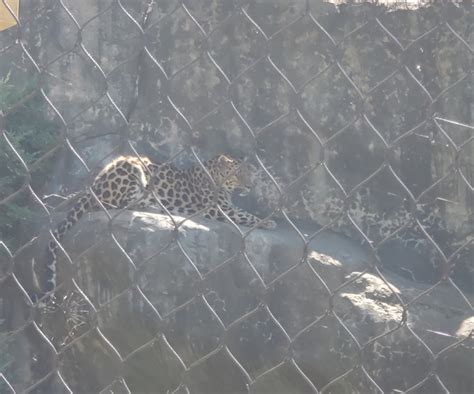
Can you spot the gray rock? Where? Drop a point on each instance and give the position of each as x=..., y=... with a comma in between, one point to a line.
x=167, y=299
x=325, y=121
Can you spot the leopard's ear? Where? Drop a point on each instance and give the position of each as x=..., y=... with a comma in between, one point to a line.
x=223, y=159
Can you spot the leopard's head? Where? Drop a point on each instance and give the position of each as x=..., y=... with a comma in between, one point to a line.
x=230, y=173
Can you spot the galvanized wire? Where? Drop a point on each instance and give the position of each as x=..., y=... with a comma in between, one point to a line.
x=51, y=366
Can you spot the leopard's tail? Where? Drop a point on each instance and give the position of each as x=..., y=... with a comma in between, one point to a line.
x=85, y=204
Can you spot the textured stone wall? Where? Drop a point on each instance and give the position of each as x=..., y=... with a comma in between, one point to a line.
x=357, y=118
x=362, y=99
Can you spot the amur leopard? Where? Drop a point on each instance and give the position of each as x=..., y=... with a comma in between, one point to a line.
x=131, y=182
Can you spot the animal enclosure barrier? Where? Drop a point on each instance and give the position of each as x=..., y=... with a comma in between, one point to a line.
x=355, y=119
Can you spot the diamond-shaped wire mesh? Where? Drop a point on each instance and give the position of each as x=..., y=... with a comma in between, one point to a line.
x=357, y=119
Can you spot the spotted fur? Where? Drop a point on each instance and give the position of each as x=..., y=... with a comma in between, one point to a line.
x=130, y=182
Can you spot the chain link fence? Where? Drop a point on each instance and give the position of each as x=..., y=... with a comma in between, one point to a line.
x=355, y=116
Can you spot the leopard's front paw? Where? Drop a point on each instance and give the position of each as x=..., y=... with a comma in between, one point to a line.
x=267, y=224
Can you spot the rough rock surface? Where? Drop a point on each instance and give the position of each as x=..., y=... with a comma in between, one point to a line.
x=192, y=292
x=424, y=123
x=418, y=134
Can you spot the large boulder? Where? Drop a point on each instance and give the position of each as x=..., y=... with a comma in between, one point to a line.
x=208, y=307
